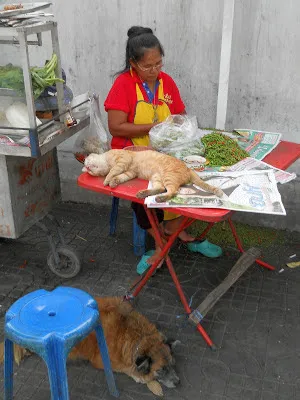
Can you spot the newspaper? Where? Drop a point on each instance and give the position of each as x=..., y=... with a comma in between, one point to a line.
x=250, y=163
x=257, y=143
x=12, y=140
x=248, y=191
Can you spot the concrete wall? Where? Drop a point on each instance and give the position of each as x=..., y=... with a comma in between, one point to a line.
x=264, y=90
x=265, y=81
x=93, y=49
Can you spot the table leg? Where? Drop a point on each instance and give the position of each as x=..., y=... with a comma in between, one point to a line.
x=206, y=230
x=164, y=254
x=240, y=247
x=165, y=248
x=185, y=303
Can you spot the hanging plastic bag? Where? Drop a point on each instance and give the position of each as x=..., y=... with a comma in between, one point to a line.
x=177, y=136
x=94, y=139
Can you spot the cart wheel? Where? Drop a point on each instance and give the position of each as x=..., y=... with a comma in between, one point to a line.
x=69, y=263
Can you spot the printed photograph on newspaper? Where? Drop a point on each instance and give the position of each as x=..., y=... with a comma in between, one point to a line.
x=257, y=143
x=250, y=163
x=248, y=191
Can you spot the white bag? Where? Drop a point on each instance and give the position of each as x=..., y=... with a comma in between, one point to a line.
x=177, y=136
x=94, y=139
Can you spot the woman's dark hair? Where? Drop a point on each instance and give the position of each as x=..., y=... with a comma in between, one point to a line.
x=139, y=41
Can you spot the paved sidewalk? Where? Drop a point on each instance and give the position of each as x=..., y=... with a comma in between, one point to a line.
x=255, y=325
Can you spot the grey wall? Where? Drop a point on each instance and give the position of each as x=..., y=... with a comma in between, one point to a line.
x=93, y=46
x=264, y=90
x=265, y=79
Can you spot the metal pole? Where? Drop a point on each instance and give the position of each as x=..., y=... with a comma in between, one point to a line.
x=59, y=85
x=228, y=17
x=33, y=135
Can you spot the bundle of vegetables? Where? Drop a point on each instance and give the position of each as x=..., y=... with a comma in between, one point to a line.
x=196, y=148
x=221, y=150
x=177, y=136
x=11, y=77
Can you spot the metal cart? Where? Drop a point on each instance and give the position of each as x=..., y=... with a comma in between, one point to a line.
x=29, y=174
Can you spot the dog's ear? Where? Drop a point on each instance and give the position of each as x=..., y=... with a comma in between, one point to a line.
x=143, y=364
x=172, y=343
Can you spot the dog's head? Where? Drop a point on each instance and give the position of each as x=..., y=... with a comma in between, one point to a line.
x=96, y=165
x=157, y=363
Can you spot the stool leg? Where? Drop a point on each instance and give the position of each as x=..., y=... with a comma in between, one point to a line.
x=113, y=215
x=106, y=361
x=57, y=371
x=8, y=369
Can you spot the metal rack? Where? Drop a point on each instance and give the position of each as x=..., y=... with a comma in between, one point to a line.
x=29, y=175
x=37, y=134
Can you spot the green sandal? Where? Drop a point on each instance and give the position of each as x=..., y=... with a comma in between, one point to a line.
x=206, y=248
x=143, y=265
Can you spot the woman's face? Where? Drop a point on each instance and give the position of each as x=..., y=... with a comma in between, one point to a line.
x=149, y=66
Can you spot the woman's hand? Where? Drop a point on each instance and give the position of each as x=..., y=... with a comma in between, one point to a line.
x=118, y=125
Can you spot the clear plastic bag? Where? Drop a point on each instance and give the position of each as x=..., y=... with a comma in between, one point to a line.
x=177, y=136
x=94, y=139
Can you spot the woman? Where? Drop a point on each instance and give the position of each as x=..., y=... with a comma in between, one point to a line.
x=141, y=97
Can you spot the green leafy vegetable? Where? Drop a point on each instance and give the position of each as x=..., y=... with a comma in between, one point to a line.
x=11, y=77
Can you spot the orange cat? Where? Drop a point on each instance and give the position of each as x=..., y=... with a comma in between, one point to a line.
x=166, y=173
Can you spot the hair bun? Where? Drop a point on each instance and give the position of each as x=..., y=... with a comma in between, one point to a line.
x=138, y=30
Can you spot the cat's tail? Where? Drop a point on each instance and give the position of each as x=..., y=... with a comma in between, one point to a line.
x=203, y=185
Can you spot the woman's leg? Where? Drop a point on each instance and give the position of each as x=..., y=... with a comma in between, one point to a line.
x=144, y=223
x=194, y=245
x=199, y=246
x=172, y=225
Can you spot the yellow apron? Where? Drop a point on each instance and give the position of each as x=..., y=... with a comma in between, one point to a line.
x=144, y=114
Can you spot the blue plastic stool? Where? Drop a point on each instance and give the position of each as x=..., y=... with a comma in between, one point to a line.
x=51, y=324
x=139, y=234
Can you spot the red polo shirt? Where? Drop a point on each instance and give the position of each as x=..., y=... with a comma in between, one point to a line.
x=122, y=96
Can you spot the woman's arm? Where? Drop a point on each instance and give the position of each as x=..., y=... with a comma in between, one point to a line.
x=118, y=125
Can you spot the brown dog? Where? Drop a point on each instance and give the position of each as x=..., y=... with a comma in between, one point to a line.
x=136, y=347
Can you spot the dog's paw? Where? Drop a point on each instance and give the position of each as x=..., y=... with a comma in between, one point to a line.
x=155, y=388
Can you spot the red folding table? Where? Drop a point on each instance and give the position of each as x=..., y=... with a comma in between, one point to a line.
x=285, y=154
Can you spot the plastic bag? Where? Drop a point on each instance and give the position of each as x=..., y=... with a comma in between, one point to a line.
x=177, y=136
x=95, y=138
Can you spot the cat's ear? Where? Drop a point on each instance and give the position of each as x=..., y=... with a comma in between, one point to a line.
x=84, y=169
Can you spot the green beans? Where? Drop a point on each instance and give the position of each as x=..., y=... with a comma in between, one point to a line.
x=221, y=150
